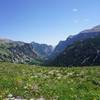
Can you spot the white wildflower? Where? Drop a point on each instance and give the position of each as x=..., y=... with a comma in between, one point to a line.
x=41, y=98
x=70, y=74
x=10, y=95
x=32, y=99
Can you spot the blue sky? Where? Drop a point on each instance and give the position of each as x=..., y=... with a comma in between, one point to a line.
x=46, y=21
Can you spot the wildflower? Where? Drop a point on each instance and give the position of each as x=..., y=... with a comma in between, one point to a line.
x=32, y=99
x=41, y=98
x=70, y=74
x=59, y=74
x=71, y=80
x=72, y=89
x=59, y=77
x=35, y=76
x=51, y=72
x=10, y=95
x=25, y=87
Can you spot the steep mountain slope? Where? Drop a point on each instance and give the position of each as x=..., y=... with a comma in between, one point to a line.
x=43, y=50
x=15, y=51
x=86, y=52
x=90, y=33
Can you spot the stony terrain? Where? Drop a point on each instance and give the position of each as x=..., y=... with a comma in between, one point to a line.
x=16, y=51
x=43, y=50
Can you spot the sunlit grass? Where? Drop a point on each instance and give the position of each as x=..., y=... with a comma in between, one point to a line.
x=49, y=83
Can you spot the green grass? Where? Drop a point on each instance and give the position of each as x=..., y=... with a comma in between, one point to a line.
x=51, y=83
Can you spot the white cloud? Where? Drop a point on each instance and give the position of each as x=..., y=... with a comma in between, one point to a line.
x=75, y=10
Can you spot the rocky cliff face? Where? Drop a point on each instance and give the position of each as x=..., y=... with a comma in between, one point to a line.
x=17, y=52
x=43, y=50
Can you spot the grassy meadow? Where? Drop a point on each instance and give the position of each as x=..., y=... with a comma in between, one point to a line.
x=30, y=82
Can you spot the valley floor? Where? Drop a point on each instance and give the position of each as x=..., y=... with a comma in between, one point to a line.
x=18, y=81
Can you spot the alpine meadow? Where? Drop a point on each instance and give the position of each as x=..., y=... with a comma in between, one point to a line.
x=49, y=50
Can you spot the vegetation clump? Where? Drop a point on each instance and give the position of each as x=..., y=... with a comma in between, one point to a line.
x=31, y=82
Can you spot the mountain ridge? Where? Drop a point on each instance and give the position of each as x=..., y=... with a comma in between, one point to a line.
x=68, y=55
x=81, y=53
x=43, y=50
x=16, y=51
x=22, y=52
x=71, y=39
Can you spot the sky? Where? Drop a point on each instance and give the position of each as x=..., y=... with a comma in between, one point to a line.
x=46, y=21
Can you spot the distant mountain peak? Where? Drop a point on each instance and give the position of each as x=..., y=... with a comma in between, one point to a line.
x=97, y=27
x=3, y=40
x=43, y=50
x=83, y=35
x=69, y=37
x=94, y=29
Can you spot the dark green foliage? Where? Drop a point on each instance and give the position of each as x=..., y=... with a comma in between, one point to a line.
x=36, y=61
x=80, y=53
